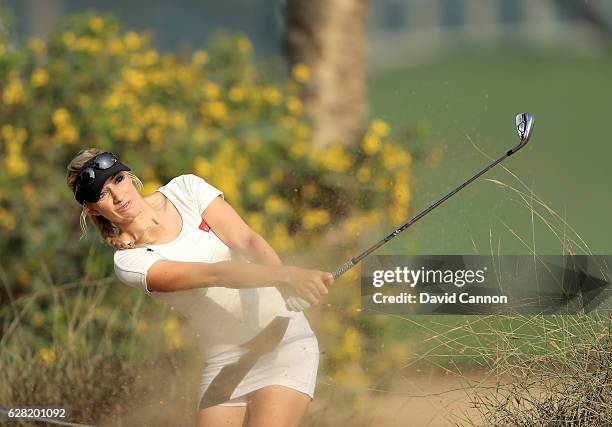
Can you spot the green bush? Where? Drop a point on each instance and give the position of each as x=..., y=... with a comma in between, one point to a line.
x=214, y=113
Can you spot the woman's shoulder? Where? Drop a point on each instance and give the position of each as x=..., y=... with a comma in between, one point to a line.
x=189, y=184
x=185, y=181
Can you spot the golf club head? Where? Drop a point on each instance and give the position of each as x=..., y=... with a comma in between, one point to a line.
x=524, y=126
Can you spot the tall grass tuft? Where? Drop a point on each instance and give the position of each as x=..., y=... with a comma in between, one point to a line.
x=547, y=370
x=78, y=345
x=562, y=377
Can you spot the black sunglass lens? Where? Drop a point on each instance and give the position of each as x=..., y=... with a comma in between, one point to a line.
x=104, y=161
x=86, y=178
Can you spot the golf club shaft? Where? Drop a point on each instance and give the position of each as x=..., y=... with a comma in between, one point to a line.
x=354, y=261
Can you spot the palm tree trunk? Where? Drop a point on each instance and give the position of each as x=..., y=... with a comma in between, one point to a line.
x=328, y=36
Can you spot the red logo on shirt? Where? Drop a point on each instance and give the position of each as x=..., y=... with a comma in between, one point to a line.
x=204, y=226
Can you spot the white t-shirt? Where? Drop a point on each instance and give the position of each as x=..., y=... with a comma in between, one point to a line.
x=222, y=317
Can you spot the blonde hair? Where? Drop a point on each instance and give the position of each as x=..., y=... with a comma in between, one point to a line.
x=105, y=228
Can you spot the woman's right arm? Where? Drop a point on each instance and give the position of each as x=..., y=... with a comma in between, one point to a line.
x=171, y=276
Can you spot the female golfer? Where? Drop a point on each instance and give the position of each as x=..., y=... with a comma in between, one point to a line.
x=186, y=246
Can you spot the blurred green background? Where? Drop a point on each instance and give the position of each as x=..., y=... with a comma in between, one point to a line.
x=468, y=95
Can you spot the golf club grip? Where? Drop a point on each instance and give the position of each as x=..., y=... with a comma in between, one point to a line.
x=343, y=268
x=296, y=303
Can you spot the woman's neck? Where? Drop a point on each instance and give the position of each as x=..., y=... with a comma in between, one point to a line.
x=145, y=228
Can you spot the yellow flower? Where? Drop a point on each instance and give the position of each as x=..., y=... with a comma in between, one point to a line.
x=371, y=144
x=174, y=342
x=202, y=166
x=199, y=57
x=257, y=187
x=314, y=218
x=134, y=78
x=69, y=39
x=302, y=131
x=172, y=332
x=132, y=41
x=68, y=134
x=335, y=159
x=47, y=355
x=36, y=44
x=115, y=46
x=7, y=132
x=300, y=73
x=350, y=346
x=398, y=214
x=226, y=178
x=298, y=149
x=96, y=24
x=178, y=120
x=271, y=95
x=171, y=326
x=113, y=100
x=88, y=44
x=351, y=374
x=150, y=187
x=150, y=57
x=275, y=205
x=216, y=110
x=60, y=117
x=40, y=77
x=20, y=135
x=155, y=135
x=401, y=190
x=244, y=45
x=148, y=174
x=154, y=114
x=236, y=94
x=185, y=75
x=280, y=237
x=133, y=133
x=255, y=221
x=13, y=92
x=379, y=128
x=211, y=90
x=13, y=148
x=353, y=226
x=393, y=157
x=294, y=106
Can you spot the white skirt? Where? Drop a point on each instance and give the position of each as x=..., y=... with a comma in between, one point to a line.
x=285, y=353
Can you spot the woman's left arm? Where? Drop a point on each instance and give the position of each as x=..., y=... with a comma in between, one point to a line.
x=235, y=233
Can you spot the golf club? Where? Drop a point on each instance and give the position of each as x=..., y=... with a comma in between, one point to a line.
x=524, y=127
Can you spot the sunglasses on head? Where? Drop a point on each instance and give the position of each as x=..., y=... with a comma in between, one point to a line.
x=88, y=175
